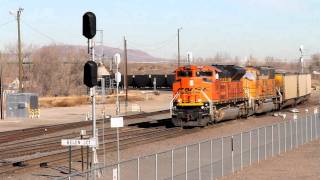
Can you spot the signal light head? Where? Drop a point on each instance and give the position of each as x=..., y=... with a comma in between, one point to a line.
x=89, y=25
x=90, y=78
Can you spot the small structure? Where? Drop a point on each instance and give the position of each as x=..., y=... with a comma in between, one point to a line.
x=102, y=70
x=105, y=79
x=22, y=105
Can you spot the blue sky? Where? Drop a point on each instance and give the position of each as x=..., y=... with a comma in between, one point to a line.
x=237, y=27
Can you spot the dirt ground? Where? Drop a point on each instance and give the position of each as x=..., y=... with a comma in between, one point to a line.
x=299, y=164
x=214, y=131
x=58, y=115
x=292, y=160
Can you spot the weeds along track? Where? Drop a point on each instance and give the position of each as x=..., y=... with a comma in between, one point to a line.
x=9, y=136
x=53, y=143
x=128, y=138
x=43, y=144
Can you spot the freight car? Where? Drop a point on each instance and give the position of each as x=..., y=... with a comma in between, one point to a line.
x=164, y=81
x=209, y=94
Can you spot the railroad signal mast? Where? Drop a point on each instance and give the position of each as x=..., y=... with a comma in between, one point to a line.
x=301, y=58
x=117, y=59
x=179, y=29
x=189, y=58
x=91, y=73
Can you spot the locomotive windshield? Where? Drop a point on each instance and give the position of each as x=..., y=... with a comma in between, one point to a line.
x=184, y=73
x=203, y=73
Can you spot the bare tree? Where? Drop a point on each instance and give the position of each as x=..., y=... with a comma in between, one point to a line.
x=57, y=70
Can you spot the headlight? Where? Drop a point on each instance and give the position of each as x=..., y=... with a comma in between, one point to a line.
x=179, y=100
x=191, y=82
x=202, y=107
x=199, y=100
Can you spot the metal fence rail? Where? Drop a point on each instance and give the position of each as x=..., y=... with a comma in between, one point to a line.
x=217, y=157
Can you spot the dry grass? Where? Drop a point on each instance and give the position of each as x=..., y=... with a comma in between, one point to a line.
x=69, y=101
x=63, y=101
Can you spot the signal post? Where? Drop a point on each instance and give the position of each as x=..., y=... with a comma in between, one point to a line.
x=90, y=78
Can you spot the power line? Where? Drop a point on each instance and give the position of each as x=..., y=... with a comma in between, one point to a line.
x=39, y=32
x=8, y=22
x=161, y=43
x=152, y=49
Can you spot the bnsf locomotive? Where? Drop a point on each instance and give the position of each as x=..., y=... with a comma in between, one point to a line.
x=209, y=94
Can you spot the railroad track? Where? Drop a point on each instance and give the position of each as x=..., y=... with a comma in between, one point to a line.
x=50, y=151
x=127, y=140
x=9, y=136
x=30, y=147
x=17, y=145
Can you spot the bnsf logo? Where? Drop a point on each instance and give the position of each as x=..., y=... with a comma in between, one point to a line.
x=187, y=90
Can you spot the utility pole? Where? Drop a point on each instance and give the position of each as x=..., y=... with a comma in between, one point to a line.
x=179, y=29
x=1, y=94
x=125, y=71
x=100, y=42
x=19, y=50
x=301, y=58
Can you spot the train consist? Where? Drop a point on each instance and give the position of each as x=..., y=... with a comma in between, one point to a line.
x=209, y=94
x=163, y=81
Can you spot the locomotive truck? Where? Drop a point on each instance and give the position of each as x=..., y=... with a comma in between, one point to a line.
x=210, y=94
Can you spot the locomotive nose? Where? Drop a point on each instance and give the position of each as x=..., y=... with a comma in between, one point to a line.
x=187, y=83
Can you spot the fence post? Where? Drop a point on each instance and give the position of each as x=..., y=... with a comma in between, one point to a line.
x=296, y=121
x=172, y=164
x=241, y=161
x=315, y=125
x=265, y=143
x=156, y=166
x=258, y=144
x=301, y=133
x=222, y=156
x=279, y=138
x=272, y=141
x=291, y=134
x=118, y=171
x=138, y=169
x=211, y=160
x=199, y=156
x=186, y=162
x=285, y=136
x=306, y=128
x=232, y=163
x=311, y=127
x=250, y=145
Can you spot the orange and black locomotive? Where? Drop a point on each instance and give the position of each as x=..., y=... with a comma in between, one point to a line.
x=209, y=94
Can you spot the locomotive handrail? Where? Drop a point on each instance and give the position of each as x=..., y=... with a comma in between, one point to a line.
x=279, y=92
x=210, y=102
x=171, y=102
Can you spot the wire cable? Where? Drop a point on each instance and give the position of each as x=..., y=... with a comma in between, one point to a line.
x=157, y=44
x=39, y=32
x=6, y=23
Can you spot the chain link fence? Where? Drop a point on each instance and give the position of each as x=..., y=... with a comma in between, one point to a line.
x=213, y=158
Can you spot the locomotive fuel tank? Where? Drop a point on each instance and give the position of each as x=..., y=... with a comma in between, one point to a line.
x=226, y=114
x=265, y=107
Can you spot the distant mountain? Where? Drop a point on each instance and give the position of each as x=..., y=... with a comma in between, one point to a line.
x=134, y=55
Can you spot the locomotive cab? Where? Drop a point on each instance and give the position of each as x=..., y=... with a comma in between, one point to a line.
x=191, y=102
x=207, y=94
